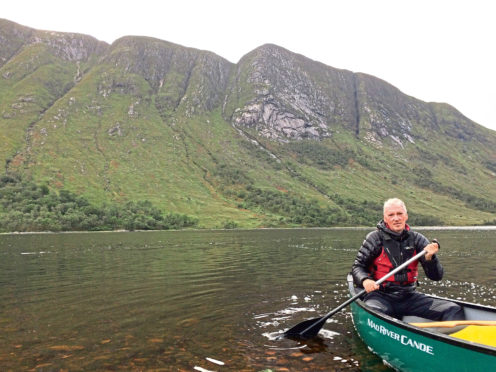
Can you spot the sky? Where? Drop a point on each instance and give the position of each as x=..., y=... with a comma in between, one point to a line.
x=433, y=50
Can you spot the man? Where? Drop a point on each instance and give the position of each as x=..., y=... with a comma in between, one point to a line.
x=392, y=244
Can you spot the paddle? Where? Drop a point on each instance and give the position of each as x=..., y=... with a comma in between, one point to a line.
x=311, y=327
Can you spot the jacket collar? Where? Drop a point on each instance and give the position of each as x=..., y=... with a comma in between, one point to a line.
x=383, y=226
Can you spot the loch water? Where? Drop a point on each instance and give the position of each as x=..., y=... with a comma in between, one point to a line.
x=201, y=300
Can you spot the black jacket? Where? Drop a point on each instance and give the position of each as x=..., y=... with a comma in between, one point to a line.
x=372, y=247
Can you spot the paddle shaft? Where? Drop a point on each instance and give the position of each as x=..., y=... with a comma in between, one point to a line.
x=378, y=282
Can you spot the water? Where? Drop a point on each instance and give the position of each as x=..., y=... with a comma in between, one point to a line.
x=201, y=300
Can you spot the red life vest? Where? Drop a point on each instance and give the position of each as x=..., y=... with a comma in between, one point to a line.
x=393, y=254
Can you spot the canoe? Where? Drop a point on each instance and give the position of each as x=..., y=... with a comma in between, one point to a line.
x=418, y=344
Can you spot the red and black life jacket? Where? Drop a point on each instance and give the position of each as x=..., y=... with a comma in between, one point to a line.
x=393, y=254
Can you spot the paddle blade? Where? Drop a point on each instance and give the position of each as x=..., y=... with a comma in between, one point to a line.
x=306, y=329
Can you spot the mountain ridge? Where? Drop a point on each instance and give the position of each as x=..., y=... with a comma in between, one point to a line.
x=144, y=118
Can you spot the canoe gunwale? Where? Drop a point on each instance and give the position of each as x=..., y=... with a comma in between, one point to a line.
x=485, y=349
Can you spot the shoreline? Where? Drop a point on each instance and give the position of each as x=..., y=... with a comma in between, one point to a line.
x=479, y=227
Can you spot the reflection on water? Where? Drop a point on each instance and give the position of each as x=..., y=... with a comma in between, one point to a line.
x=202, y=300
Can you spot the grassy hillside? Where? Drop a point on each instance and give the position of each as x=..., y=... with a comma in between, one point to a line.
x=276, y=140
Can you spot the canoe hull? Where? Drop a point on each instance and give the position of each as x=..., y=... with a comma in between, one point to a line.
x=407, y=348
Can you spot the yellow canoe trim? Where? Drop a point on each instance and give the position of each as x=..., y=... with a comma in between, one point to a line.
x=479, y=334
x=454, y=323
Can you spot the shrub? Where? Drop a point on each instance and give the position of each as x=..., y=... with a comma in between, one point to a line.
x=25, y=206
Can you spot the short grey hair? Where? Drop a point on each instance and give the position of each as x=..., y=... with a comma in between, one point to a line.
x=394, y=201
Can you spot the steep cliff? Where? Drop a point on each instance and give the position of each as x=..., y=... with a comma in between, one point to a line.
x=287, y=96
x=274, y=140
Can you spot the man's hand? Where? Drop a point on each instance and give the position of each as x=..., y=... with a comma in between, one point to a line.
x=431, y=249
x=369, y=285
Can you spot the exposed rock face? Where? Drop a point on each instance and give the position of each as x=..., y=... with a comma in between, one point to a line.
x=179, y=76
x=277, y=94
x=284, y=96
x=92, y=117
x=12, y=37
x=68, y=46
x=272, y=122
x=385, y=111
x=290, y=95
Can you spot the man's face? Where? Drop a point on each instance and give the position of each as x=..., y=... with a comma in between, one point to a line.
x=395, y=216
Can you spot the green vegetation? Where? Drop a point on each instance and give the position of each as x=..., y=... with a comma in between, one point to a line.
x=143, y=126
x=324, y=157
x=298, y=211
x=28, y=207
x=425, y=178
x=294, y=209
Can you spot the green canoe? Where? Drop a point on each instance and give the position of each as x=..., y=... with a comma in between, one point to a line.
x=429, y=346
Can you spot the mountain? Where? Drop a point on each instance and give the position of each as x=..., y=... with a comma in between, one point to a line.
x=274, y=140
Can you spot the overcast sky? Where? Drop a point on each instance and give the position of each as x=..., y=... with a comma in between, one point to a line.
x=434, y=50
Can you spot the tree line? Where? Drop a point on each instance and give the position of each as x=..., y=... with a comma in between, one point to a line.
x=299, y=211
x=26, y=206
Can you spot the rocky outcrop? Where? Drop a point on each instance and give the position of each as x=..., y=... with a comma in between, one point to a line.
x=271, y=121
x=179, y=76
x=273, y=92
x=67, y=46
x=70, y=47
x=148, y=119
x=12, y=38
x=385, y=112
x=285, y=96
x=290, y=96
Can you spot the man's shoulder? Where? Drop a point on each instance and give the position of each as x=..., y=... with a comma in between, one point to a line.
x=416, y=234
x=418, y=237
x=374, y=236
